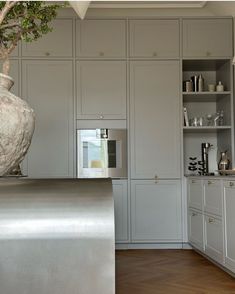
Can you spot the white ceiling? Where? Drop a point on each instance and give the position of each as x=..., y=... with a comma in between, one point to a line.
x=147, y=4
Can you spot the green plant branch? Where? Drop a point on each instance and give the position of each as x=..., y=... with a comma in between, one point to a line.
x=6, y=9
x=10, y=25
x=23, y=20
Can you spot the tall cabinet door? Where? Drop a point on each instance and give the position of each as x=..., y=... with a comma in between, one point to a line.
x=155, y=119
x=47, y=86
x=121, y=210
x=156, y=211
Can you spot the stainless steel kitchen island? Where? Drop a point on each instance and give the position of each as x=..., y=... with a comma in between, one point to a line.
x=56, y=236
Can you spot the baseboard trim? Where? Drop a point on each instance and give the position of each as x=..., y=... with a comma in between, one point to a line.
x=221, y=266
x=122, y=246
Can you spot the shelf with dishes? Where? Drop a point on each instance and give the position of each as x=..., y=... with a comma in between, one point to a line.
x=206, y=93
x=207, y=109
x=205, y=96
x=199, y=129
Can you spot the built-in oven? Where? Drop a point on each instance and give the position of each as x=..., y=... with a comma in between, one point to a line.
x=102, y=153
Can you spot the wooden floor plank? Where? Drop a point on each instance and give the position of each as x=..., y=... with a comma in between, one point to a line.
x=169, y=271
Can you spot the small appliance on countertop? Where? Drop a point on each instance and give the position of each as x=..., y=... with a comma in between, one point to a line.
x=205, y=147
x=224, y=161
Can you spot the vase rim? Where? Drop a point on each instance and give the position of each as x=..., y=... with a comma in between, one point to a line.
x=6, y=76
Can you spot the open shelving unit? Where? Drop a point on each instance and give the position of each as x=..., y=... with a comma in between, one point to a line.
x=201, y=104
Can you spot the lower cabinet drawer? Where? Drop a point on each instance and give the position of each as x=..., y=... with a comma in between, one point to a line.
x=214, y=246
x=213, y=197
x=195, y=230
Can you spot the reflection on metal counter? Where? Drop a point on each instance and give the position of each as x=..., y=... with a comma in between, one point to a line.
x=56, y=236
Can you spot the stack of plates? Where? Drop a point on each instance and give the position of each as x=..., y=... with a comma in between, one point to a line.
x=230, y=172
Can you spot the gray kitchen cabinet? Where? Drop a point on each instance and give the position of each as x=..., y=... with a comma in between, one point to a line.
x=196, y=229
x=101, y=90
x=213, y=197
x=205, y=227
x=211, y=37
x=155, y=119
x=58, y=43
x=15, y=52
x=195, y=194
x=214, y=238
x=120, y=210
x=158, y=38
x=47, y=86
x=229, y=204
x=101, y=38
x=156, y=211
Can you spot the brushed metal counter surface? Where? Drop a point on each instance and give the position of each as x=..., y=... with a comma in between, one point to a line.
x=56, y=236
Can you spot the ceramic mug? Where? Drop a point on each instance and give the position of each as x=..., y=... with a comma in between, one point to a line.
x=211, y=88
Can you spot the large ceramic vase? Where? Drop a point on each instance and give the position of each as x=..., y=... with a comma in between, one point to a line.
x=17, y=122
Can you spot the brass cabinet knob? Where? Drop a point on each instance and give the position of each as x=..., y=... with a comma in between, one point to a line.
x=156, y=179
x=231, y=184
x=210, y=182
x=211, y=220
x=101, y=54
x=47, y=53
x=208, y=53
x=154, y=54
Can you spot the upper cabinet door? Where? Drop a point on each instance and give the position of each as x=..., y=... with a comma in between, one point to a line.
x=154, y=38
x=57, y=43
x=51, y=152
x=101, y=90
x=101, y=38
x=207, y=37
x=155, y=119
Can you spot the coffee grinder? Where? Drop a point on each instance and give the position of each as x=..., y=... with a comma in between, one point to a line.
x=205, y=147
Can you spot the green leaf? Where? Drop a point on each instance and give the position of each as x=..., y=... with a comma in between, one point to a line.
x=34, y=18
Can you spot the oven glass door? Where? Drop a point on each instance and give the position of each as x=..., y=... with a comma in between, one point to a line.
x=100, y=153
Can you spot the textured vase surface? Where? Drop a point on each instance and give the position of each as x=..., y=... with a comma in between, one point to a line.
x=17, y=123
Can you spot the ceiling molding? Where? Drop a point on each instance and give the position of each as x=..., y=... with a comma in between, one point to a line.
x=147, y=4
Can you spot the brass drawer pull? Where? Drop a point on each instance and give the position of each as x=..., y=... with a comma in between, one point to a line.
x=156, y=179
x=101, y=54
x=154, y=54
x=231, y=184
x=211, y=220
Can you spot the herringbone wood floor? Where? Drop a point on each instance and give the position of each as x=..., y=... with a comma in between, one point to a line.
x=169, y=272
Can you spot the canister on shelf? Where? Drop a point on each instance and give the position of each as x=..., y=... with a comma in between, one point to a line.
x=200, y=83
x=219, y=87
x=195, y=83
x=188, y=86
